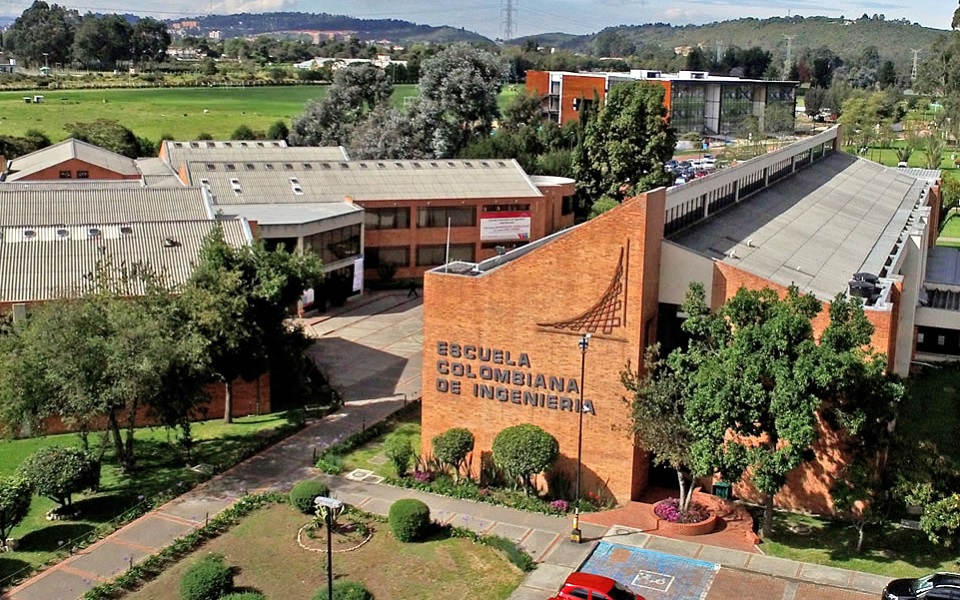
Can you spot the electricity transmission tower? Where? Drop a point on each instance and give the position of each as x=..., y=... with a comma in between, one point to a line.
x=509, y=12
x=916, y=58
x=789, y=61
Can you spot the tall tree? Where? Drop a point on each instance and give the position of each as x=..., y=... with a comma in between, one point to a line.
x=102, y=41
x=237, y=298
x=753, y=406
x=107, y=134
x=43, y=34
x=459, y=88
x=625, y=146
x=150, y=41
x=353, y=94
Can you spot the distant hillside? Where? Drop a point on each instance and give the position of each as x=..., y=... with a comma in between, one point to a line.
x=401, y=32
x=845, y=37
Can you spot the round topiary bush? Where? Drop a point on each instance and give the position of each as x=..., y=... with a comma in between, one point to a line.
x=304, y=493
x=452, y=447
x=344, y=590
x=207, y=579
x=523, y=451
x=409, y=519
x=244, y=596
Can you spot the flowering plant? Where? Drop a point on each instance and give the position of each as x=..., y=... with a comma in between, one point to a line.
x=561, y=506
x=669, y=510
x=422, y=476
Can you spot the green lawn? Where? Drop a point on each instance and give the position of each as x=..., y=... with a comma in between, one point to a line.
x=888, y=550
x=263, y=551
x=406, y=425
x=161, y=467
x=156, y=112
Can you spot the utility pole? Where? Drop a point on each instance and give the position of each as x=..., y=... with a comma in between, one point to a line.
x=789, y=61
x=916, y=58
x=719, y=51
x=509, y=12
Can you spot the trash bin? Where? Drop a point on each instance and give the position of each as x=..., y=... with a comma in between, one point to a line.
x=722, y=489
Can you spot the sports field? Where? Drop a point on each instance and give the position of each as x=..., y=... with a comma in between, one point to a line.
x=180, y=113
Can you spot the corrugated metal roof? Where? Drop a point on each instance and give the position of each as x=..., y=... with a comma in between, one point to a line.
x=815, y=229
x=179, y=153
x=72, y=184
x=290, y=214
x=298, y=182
x=157, y=173
x=50, y=265
x=56, y=154
x=67, y=206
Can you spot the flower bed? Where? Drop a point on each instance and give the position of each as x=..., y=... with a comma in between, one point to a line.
x=696, y=520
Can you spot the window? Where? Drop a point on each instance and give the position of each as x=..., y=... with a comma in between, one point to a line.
x=566, y=207
x=83, y=174
x=387, y=218
x=920, y=338
x=433, y=256
x=506, y=207
x=398, y=256
x=336, y=244
x=439, y=217
x=66, y=174
x=941, y=340
x=580, y=593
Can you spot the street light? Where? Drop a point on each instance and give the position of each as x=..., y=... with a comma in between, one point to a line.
x=583, y=343
x=46, y=62
x=328, y=506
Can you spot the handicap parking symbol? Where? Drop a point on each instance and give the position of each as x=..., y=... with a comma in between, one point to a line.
x=652, y=580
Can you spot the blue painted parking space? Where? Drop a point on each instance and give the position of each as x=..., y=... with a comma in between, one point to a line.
x=653, y=575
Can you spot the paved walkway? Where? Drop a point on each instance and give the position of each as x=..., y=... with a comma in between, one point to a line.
x=371, y=348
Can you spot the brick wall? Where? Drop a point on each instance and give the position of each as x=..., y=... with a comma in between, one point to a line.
x=580, y=86
x=544, y=215
x=511, y=309
x=73, y=165
x=249, y=398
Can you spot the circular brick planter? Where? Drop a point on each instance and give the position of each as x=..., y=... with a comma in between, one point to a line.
x=701, y=528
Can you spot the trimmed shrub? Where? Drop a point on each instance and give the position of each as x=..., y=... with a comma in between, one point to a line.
x=244, y=596
x=409, y=519
x=303, y=494
x=59, y=472
x=523, y=451
x=452, y=447
x=208, y=579
x=344, y=590
x=400, y=453
x=15, y=496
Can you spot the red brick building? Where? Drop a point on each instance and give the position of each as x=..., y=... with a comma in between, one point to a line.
x=697, y=101
x=500, y=335
x=71, y=160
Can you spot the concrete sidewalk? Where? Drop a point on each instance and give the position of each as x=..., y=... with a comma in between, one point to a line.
x=546, y=538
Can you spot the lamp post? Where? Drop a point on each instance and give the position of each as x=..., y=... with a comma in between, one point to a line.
x=329, y=505
x=46, y=63
x=583, y=343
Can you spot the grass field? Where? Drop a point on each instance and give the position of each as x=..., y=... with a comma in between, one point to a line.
x=152, y=113
x=160, y=467
x=430, y=570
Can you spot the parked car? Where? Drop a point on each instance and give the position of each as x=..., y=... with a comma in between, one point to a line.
x=580, y=586
x=938, y=586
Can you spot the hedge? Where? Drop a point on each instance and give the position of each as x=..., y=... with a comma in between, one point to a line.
x=207, y=579
x=409, y=519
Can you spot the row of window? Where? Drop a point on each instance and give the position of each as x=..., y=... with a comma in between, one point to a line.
x=430, y=255
x=441, y=216
x=336, y=244
x=69, y=174
x=427, y=256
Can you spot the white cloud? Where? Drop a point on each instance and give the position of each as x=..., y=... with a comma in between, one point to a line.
x=251, y=6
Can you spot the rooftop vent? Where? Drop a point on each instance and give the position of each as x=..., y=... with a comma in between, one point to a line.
x=29, y=234
x=295, y=185
x=235, y=184
x=126, y=230
x=63, y=233
x=169, y=242
x=94, y=232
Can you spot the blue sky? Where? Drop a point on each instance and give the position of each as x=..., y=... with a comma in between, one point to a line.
x=536, y=16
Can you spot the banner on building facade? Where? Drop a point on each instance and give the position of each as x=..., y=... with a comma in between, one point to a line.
x=504, y=226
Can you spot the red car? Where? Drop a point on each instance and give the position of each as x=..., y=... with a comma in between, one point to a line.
x=585, y=586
